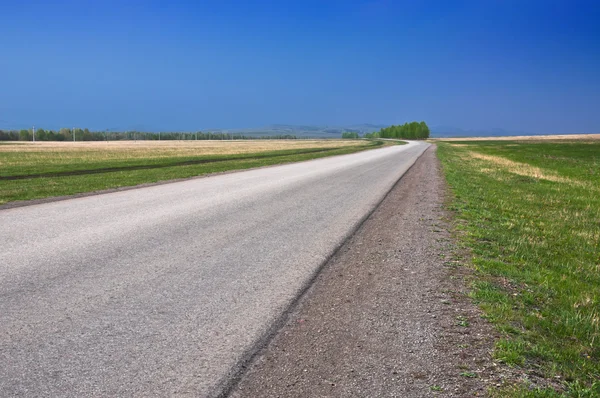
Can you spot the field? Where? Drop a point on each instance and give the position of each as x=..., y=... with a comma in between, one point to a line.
x=47, y=169
x=567, y=137
x=528, y=212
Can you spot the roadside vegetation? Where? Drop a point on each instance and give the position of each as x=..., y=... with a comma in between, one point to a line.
x=529, y=214
x=41, y=170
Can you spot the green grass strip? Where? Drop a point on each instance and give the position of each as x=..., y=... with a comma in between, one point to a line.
x=529, y=213
x=38, y=182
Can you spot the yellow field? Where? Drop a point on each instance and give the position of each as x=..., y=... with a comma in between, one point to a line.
x=64, y=152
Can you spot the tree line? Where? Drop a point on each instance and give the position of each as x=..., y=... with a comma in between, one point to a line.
x=78, y=134
x=350, y=134
x=408, y=131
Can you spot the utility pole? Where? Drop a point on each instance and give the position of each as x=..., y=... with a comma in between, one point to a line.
x=73, y=134
x=33, y=129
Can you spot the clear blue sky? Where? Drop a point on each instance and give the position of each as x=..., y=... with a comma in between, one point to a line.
x=522, y=65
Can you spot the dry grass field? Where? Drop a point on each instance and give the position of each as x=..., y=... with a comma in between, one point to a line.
x=208, y=147
x=66, y=152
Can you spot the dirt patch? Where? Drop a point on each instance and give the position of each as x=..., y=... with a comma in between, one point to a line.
x=388, y=315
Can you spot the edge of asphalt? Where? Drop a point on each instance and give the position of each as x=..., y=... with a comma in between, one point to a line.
x=228, y=383
x=33, y=202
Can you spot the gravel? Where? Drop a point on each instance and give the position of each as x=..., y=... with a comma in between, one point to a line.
x=387, y=316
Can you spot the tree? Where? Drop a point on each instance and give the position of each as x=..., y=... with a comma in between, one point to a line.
x=24, y=135
x=410, y=131
x=78, y=134
x=86, y=135
x=66, y=134
x=40, y=135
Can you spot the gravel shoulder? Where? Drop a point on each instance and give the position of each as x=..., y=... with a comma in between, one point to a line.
x=388, y=315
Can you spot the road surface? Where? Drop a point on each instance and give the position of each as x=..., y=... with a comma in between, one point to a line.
x=164, y=290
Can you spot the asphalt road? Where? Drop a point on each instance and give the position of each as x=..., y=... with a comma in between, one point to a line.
x=163, y=290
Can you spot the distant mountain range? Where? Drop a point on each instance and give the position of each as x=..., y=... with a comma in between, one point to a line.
x=303, y=130
x=451, y=131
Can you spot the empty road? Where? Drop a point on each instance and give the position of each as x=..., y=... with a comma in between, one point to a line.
x=163, y=290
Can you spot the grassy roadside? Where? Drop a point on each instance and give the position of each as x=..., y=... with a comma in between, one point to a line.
x=27, y=175
x=529, y=213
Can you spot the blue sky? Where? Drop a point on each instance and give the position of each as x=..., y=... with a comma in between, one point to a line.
x=530, y=66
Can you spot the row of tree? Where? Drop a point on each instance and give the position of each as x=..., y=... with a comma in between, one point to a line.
x=65, y=134
x=350, y=134
x=408, y=131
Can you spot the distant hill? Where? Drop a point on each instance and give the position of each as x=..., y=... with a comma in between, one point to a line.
x=451, y=131
x=303, y=131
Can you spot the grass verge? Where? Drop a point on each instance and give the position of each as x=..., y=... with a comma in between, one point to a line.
x=41, y=173
x=529, y=213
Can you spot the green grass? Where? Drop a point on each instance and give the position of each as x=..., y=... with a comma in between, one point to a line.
x=529, y=213
x=34, y=174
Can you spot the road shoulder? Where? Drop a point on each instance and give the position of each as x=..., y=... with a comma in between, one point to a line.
x=388, y=315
